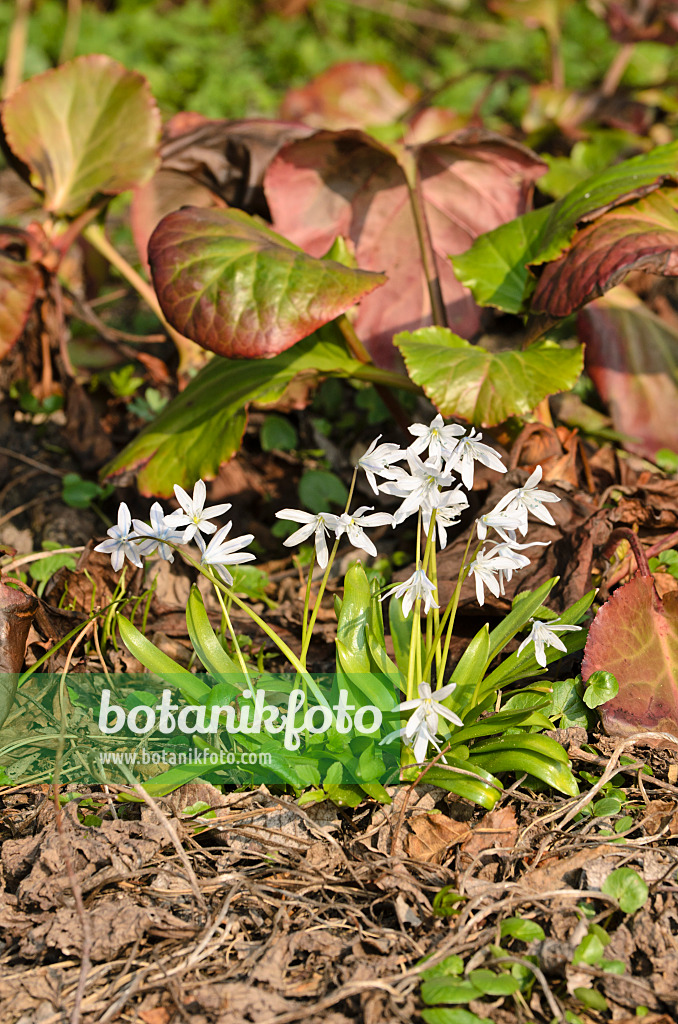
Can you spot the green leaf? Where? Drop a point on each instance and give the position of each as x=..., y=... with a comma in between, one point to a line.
x=600, y=687
x=522, y=929
x=443, y=1015
x=448, y=990
x=543, y=745
x=233, y=285
x=486, y=388
x=567, y=703
x=206, y=645
x=627, y=180
x=203, y=426
x=552, y=772
x=277, y=432
x=469, y=671
x=628, y=888
x=87, y=127
x=589, y=951
x=352, y=653
x=344, y=796
x=592, y=998
x=452, y=964
x=190, y=686
x=318, y=489
x=470, y=787
x=607, y=806
x=491, y=984
x=495, y=267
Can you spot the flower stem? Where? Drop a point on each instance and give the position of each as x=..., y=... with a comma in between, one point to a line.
x=236, y=645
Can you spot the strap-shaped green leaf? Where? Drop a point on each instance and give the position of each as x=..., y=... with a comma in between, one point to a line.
x=190, y=686
x=206, y=644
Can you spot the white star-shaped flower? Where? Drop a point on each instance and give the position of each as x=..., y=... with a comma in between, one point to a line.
x=318, y=525
x=219, y=552
x=448, y=506
x=120, y=543
x=485, y=567
x=504, y=521
x=420, y=487
x=529, y=499
x=193, y=513
x=470, y=450
x=422, y=726
x=160, y=534
x=543, y=634
x=352, y=526
x=440, y=440
x=418, y=586
x=377, y=460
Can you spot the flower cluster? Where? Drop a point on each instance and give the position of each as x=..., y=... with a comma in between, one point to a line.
x=430, y=478
x=134, y=539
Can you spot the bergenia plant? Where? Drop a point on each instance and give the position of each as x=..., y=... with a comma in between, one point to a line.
x=454, y=713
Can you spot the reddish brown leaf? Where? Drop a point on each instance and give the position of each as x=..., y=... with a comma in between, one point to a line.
x=207, y=162
x=346, y=183
x=19, y=283
x=350, y=95
x=631, y=356
x=640, y=236
x=631, y=22
x=17, y=607
x=635, y=637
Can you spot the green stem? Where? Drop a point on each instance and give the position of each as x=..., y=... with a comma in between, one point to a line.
x=236, y=645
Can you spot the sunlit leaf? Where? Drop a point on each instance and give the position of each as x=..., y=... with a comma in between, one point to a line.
x=628, y=888
x=634, y=636
x=484, y=387
x=85, y=128
x=234, y=286
x=19, y=284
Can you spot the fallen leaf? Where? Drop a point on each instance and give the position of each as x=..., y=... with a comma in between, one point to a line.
x=433, y=835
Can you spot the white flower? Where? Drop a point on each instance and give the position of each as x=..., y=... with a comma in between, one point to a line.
x=120, y=543
x=468, y=450
x=419, y=488
x=220, y=553
x=193, y=513
x=484, y=567
x=352, y=526
x=543, y=634
x=501, y=521
x=422, y=726
x=439, y=439
x=318, y=525
x=528, y=499
x=160, y=534
x=418, y=586
x=448, y=506
x=376, y=460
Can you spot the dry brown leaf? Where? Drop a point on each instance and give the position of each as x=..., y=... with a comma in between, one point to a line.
x=432, y=835
x=497, y=829
x=158, y=1015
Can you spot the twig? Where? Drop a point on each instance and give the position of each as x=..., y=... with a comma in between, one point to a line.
x=32, y=462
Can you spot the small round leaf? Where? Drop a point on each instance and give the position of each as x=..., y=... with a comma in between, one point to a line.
x=628, y=888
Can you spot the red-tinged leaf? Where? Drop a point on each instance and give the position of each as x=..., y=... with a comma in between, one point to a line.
x=640, y=236
x=86, y=128
x=207, y=162
x=239, y=289
x=18, y=605
x=631, y=356
x=351, y=95
x=346, y=183
x=631, y=22
x=635, y=637
x=19, y=284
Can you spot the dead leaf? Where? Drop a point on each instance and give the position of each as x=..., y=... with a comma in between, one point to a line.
x=432, y=835
x=497, y=829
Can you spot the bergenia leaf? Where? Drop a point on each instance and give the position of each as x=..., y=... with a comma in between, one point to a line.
x=346, y=183
x=637, y=236
x=634, y=636
x=632, y=358
x=86, y=128
x=19, y=284
x=484, y=387
x=236, y=287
